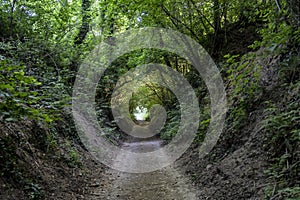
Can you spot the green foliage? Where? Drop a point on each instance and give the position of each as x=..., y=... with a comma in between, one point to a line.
x=243, y=79
x=280, y=38
x=291, y=193
x=243, y=87
x=282, y=125
x=204, y=123
x=280, y=34
x=34, y=191
x=275, y=38
x=146, y=97
x=289, y=71
x=172, y=124
x=18, y=98
x=73, y=158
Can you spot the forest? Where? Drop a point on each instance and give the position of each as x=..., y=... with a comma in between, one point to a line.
x=69, y=67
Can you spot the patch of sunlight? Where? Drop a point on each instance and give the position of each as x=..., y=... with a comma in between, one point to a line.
x=140, y=113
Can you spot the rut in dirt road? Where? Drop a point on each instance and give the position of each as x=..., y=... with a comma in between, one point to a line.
x=167, y=183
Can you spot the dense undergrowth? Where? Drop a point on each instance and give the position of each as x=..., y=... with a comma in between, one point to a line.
x=269, y=78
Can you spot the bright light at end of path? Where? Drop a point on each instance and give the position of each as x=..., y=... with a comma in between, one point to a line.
x=140, y=113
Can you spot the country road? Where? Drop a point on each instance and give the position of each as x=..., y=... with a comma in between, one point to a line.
x=167, y=183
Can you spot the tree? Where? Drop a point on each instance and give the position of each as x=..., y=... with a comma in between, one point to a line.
x=85, y=22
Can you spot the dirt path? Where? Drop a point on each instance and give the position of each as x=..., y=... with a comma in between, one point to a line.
x=166, y=184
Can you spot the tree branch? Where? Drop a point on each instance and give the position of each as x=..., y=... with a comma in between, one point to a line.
x=179, y=21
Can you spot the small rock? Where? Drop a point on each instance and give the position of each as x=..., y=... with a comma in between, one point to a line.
x=208, y=166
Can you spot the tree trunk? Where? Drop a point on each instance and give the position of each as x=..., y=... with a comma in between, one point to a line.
x=84, y=29
x=12, y=17
x=217, y=25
